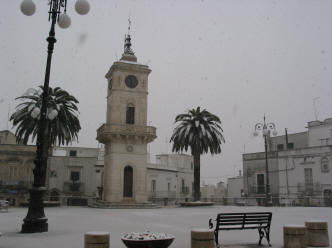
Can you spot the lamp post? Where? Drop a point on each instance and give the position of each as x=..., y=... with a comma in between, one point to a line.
x=35, y=221
x=266, y=128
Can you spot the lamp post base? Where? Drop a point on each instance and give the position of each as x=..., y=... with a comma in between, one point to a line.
x=35, y=221
x=34, y=227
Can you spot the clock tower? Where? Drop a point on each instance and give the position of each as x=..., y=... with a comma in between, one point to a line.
x=125, y=133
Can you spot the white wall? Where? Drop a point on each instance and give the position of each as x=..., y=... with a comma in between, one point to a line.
x=171, y=168
x=296, y=161
x=234, y=187
x=320, y=133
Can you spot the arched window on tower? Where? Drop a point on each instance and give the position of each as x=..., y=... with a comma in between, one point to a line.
x=130, y=114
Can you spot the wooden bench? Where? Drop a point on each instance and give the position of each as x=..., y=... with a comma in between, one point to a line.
x=241, y=221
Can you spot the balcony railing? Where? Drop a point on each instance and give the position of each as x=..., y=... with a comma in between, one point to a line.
x=184, y=191
x=106, y=131
x=257, y=189
x=161, y=194
x=70, y=187
x=309, y=188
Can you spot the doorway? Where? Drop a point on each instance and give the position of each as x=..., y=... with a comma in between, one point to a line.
x=260, y=184
x=128, y=182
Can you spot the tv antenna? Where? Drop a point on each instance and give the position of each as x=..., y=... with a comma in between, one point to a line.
x=315, y=109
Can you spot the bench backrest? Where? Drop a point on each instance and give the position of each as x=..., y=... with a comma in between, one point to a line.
x=254, y=220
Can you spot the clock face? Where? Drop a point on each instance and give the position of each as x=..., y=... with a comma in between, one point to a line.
x=131, y=81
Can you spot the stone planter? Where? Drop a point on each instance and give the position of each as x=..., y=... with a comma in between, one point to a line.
x=147, y=240
x=318, y=234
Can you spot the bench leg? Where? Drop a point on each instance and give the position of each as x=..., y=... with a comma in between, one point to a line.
x=261, y=235
x=265, y=232
x=216, y=237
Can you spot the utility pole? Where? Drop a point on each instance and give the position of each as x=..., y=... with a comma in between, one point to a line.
x=287, y=187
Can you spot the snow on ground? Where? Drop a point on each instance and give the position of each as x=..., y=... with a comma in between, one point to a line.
x=67, y=225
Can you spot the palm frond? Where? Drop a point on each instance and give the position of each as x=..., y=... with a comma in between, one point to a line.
x=198, y=130
x=62, y=130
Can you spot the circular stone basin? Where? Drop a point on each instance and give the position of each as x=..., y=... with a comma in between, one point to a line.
x=147, y=240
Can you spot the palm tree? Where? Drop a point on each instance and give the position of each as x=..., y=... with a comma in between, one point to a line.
x=201, y=132
x=63, y=129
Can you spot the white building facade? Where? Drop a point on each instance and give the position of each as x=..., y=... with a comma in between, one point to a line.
x=75, y=177
x=170, y=179
x=299, y=171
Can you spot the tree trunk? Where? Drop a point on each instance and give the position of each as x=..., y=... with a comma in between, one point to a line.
x=197, y=176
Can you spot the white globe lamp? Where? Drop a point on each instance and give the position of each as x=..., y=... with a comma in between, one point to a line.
x=35, y=112
x=82, y=7
x=28, y=7
x=64, y=21
x=52, y=115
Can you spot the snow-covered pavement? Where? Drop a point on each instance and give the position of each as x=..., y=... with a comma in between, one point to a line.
x=67, y=225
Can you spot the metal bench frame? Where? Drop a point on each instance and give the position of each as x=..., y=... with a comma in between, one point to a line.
x=242, y=221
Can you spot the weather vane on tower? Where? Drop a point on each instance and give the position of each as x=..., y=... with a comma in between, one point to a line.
x=129, y=24
x=127, y=43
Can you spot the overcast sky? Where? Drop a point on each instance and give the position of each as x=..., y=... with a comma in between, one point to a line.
x=237, y=59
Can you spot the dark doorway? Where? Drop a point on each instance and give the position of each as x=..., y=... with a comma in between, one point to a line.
x=128, y=182
x=260, y=184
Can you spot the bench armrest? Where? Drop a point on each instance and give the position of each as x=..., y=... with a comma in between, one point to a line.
x=210, y=223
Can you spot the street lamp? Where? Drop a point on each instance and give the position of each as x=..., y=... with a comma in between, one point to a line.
x=266, y=128
x=35, y=221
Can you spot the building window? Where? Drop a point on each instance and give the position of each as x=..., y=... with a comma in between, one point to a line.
x=290, y=146
x=153, y=185
x=192, y=165
x=183, y=187
x=72, y=153
x=280, y=147
x=74, y=176
x=130, y=114
x=308, y=182
x=325, y=165
x=168, y=186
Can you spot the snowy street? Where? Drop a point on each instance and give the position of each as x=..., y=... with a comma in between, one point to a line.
x=67, y=225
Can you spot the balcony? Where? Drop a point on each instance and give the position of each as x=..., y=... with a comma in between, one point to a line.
x=184, y=191
x=309, y=188
x=109, y=132
x=161, y=194
x=257, y=189
x=70, y=187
